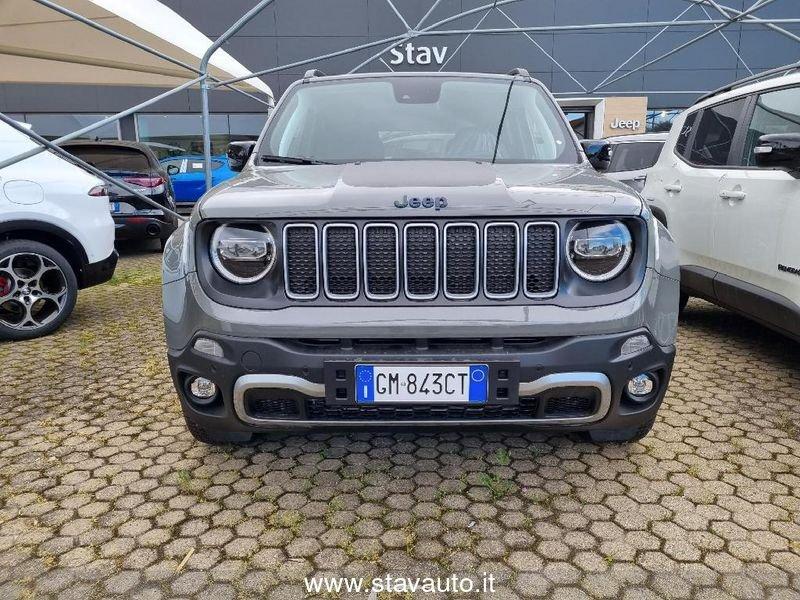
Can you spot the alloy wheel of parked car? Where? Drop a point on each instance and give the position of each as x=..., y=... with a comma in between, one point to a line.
x=37, y=290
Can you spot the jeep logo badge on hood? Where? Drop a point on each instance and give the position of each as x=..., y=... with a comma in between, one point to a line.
x=437, y=203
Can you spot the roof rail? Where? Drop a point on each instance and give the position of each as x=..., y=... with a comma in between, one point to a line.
x=785, y=69
x=522, y=72
x=313, y=73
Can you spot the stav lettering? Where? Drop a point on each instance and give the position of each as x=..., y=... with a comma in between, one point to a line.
x=417, y=55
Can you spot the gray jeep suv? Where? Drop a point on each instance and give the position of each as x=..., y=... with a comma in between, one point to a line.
x=419, y=249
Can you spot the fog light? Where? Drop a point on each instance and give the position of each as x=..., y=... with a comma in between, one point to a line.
x=202, y=388
x=207, y=346
x=635, y=344
x=642, y=385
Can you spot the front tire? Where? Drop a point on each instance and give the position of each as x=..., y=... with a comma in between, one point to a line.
x=38, y=290
x=622, y=436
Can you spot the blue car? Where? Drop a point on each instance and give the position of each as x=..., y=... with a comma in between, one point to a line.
x=188, y=176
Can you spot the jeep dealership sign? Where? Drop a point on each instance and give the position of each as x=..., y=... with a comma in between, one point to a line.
x=410, y=54
x=626, y=124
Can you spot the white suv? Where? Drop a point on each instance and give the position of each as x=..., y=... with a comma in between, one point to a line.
x=56, y=236
x=727, y=185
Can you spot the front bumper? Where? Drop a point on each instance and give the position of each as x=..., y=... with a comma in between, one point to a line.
x=558, y=383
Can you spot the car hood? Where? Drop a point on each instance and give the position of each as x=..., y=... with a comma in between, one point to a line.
x=371, y=189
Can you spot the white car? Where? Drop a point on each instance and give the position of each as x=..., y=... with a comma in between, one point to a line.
x=56, y=236
x=727, y=185
x=625, y=158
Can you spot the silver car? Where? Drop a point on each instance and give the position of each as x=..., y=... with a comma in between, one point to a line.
x=626, y=158
x=411, y=249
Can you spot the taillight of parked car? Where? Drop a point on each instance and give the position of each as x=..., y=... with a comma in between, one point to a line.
x=150, y=186
x=142, y=181
x=99, y=190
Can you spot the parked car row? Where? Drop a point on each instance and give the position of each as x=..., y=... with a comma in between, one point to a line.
x=472, y=232
x=58, y=223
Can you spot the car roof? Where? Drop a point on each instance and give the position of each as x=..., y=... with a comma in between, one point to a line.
x=141, y=147
x=637, y=137
x=758, y=86
x=119, y=143
x=396, y=74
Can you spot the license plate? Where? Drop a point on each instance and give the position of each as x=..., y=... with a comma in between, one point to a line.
x=423, y=384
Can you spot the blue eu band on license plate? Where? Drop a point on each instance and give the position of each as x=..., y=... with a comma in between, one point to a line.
x=423, y=384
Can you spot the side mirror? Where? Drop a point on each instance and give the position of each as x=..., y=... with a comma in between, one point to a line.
x=238, y=153
x=779, y=151
x=172, y=170
x=598, y=152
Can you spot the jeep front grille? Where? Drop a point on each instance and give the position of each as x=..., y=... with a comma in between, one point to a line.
x=300, y=267
x=340, y=261
x=421, y=271
x=541, y=263
x=381, y=261
x=461, y=259
x=500, y=260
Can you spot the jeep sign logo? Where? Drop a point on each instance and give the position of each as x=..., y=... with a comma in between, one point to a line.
x=629, y=124
x=417, y=55
x=437, y=203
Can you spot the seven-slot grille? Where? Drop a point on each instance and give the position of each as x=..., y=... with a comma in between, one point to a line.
x=504, y=259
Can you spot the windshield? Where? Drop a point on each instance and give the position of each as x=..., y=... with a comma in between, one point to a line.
x=419, y=118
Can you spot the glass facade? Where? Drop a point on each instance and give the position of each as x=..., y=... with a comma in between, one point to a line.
x=580, y=121
x=660, y=120
x=181, y=134
x=54, y=125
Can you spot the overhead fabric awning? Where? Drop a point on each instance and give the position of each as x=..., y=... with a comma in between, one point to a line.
x=40, y=45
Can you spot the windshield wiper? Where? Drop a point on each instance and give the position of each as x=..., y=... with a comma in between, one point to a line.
x=502, y=120
x=292, y=160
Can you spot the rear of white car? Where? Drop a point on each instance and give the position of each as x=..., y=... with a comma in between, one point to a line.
x=734, y=209
x=56, y=236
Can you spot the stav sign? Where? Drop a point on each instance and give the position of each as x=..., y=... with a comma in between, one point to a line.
x=417, y=55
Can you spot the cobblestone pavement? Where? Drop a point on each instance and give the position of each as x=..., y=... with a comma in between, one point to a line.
x=103, y=493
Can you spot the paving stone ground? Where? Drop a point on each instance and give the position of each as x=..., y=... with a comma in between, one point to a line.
x=103, y=493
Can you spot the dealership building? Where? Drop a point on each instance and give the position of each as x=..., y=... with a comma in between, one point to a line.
x=59, y=74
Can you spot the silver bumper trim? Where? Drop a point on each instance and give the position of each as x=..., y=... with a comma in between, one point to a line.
x=317, y=390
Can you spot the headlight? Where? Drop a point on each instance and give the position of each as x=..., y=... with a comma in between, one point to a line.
x=243, y=252
x=599, y=251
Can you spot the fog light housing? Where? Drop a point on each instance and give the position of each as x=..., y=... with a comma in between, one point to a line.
x=202, y=388
x=641, y=386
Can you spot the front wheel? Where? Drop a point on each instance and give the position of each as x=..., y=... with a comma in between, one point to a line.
x=38, y=289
